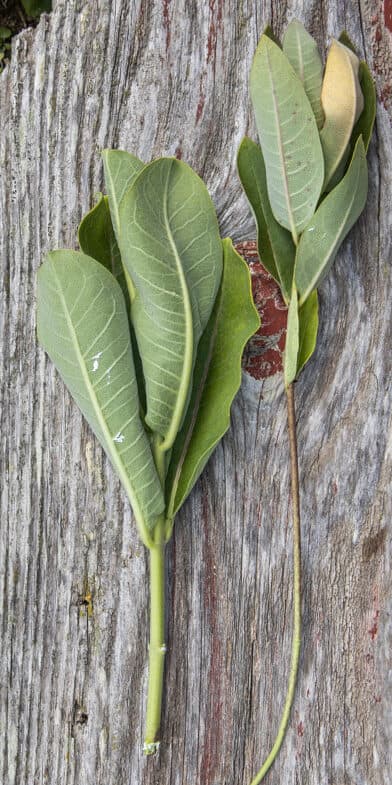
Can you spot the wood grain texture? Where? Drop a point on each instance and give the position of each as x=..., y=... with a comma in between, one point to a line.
x=159, y=78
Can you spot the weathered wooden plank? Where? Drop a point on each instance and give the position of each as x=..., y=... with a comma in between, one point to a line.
x=160, y=78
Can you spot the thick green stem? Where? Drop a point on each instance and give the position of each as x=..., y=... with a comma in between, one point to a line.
x=157, y=647
x=296, y=640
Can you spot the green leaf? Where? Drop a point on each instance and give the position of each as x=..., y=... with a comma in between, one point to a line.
x=345, y=39
x=120, y=169
x=365, y=123
x=289, y=138
x=83, y=326
x=170, y=245
x=290, y=360
x=97, y=239
x=301, y=51
x=308, y=327
x=217, y=378
x=268, y=31
x=275, y=245
x=5, y=33
x=331, y=223
x=36, y=7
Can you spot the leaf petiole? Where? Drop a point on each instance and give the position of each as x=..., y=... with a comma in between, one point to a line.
x=157, y=646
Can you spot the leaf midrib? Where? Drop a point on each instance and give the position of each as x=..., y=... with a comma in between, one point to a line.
x=188, y=354
x=116, y=227
x=171, y=506
x=281, y=154
x=300, y=58
x=97, y=411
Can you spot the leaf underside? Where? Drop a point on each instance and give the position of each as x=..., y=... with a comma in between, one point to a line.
x=308, y=328
x=301, y=51
x=301, y=335
x=170, y=245
x=97, y=239
x=275, y=246
x=289, y=138
x=217, y=378
x=120, y=170
x=290, y=359
x=330, y=224
x=83, y=326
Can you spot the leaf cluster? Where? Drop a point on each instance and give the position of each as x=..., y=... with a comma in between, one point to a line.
x=307, y=180
x=34, y=8
x=146, y=325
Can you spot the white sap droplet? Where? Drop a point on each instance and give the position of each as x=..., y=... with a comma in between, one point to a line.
x=119, y=437
x=96, y=361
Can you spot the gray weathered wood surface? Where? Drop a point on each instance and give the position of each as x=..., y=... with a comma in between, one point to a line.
x=170, y=77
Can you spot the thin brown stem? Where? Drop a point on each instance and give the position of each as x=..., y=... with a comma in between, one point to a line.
x=296, y=640
x=295, y=500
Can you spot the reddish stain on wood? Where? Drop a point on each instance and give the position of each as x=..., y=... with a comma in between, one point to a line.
x=263, y=356
x=385, y=95
x=200, y=106
x=388, y=14
x=374, y=628
x=300, y=729
x=215, y=23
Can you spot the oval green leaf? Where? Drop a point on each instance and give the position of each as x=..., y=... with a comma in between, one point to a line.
x=83, y=326
x=217, y=378
x=170, y=246
x=289, y=138
x=331, y=223
x=301, y=51
x=275, y=245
